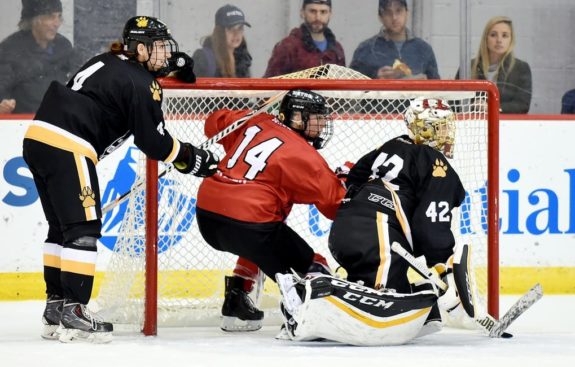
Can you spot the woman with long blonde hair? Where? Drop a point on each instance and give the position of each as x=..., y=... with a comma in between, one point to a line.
x=224, y=53
x=496, y=61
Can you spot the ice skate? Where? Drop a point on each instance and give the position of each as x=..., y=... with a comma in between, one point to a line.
x=239, y=313
x=79, y=325
x=51, y=317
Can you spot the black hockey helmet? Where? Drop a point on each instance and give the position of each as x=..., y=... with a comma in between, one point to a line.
x=146, y=30
x=308, y=103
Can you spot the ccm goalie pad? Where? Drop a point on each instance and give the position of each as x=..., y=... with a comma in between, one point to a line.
x=346, y=312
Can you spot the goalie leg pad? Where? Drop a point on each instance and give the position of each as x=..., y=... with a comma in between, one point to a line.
x=464, y=279
x=349, y=313
x=459, y=305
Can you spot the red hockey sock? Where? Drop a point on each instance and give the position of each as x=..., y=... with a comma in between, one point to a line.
x=248, y=271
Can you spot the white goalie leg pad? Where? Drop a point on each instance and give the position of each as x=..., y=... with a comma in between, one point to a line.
x=353, y=314
x=290, y=299
x=464, y=279
x=460, y=304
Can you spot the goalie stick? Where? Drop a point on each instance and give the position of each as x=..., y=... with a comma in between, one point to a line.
x=494, y=328
x=518, y=308
x=205, y=145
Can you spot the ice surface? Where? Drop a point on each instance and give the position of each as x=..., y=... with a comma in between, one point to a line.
x=544, y=335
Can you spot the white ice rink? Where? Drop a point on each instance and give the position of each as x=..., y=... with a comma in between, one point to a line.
x=544, y=336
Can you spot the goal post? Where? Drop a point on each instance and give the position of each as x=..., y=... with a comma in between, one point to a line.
x=161, y=271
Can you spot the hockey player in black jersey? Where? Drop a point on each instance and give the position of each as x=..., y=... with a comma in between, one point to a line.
x=113, y=96
x=404, y=191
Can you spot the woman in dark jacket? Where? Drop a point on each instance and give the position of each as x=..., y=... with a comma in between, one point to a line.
x=495, y=61
x=224, y=53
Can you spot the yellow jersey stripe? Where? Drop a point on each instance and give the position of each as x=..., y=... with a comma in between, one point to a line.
x=84, y=177
x=174, y=153
x=377, y=324
x=382, y=239
x=401, y=217
x=61, y=139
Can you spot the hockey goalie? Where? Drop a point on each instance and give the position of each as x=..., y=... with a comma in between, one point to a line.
x=403, y=191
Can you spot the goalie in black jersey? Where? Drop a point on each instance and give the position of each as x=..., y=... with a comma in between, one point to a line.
x=404, y=191
x=113, y=96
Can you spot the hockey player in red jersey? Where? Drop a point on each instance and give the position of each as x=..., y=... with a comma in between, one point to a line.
x=271, y=163
x=113, y=96
x=404, y=191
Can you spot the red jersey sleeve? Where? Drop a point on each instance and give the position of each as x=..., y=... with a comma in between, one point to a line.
x=221, y=119
x=313, y=182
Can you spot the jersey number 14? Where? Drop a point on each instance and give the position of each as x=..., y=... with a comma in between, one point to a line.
x=256, y=157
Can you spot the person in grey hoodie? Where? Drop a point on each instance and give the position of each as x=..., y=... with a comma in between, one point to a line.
x=394, y=53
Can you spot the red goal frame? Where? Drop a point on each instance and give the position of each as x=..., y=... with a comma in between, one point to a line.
x=150, y=313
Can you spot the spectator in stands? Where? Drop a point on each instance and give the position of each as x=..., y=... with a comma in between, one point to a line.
x=394, y=53
x=312, y=44
x=34, y=56
x=568, y=102
x=224, y=53
x=496, y=61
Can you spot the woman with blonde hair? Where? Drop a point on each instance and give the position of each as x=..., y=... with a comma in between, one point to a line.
x=224, y=53
x=496, y=61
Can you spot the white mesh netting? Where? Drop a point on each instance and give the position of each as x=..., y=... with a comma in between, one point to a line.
x=191, y=274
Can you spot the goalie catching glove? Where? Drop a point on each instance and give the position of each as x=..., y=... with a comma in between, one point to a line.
x=198, y=162
x=183, y=65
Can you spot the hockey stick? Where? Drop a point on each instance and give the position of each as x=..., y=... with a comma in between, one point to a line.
x=518, y=308
x=205, y=145
x=491, y=326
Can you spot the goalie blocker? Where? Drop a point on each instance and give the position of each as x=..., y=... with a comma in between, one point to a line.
x=461, y=293
x=347, y=312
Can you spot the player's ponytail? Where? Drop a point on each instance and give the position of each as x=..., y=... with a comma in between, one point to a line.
x=117, y=48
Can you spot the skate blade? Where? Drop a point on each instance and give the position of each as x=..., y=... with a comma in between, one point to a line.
x=233, y=324
x=50, y=332
x=79, y=336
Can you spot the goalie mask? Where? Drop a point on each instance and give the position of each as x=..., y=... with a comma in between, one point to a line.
x=148, y=30
x=307, y=113
x=431, y=122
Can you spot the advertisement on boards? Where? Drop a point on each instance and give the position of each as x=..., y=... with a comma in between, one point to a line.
x=537, y=198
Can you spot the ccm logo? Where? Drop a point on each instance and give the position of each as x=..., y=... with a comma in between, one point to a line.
x=367, y=300
x=381, y=200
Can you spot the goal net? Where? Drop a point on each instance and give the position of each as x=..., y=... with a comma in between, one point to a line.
x=189, y=274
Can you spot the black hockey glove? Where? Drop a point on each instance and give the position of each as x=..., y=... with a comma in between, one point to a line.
x=183, y=65
x=198, y=162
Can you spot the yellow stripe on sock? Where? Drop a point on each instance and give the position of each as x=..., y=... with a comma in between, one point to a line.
x=78, y=267
x=52, y=261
